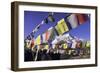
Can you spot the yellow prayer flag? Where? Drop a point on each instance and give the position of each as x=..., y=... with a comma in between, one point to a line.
x=61, y=27
x=65, y=46
x=87, y=44
x=38, y=40
x=46, y=47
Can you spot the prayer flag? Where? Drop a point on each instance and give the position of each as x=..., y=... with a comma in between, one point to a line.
x=61, y=27
x=72, y=19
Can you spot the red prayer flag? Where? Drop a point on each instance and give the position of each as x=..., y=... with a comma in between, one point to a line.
x=32, y=43
x=46, y=35
x=81, y=18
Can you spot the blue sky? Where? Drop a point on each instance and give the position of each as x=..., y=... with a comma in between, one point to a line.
x=33, y=18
